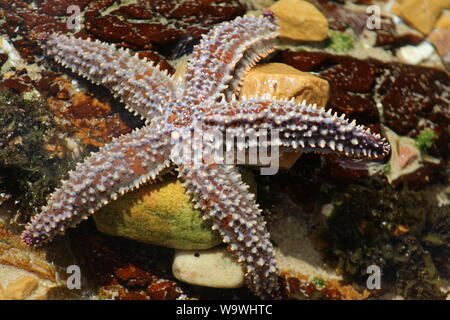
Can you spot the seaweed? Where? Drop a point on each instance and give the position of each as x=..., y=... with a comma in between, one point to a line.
x=400, y=231
x=425, y=140
x=33, y=158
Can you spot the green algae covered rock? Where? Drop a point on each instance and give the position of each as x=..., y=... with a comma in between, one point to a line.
x=160, y=214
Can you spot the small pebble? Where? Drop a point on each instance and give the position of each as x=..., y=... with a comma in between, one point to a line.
x=214, y=268
x=415, y=54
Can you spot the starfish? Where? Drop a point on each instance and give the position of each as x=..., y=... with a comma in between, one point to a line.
x=205, y=98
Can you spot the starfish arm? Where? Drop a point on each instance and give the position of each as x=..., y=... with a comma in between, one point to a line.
x=299, y=126
x=223, y=56
x=143, y=87
x=220, y=192
x=116, y=168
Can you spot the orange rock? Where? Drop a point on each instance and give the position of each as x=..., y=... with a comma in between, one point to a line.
x=422, y=15
x=300, y=20
x=22, y=288
x=285, y=82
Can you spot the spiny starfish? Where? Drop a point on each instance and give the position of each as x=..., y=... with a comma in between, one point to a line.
x=205, y=98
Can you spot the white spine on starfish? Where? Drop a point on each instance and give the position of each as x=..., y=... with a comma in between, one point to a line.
x=143, y=87
x=116, y=168
x=300, y=126
x=225, y=199
x=225, y=54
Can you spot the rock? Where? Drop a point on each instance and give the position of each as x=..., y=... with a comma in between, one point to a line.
x=415, y=54
x=285, y=82
x=123, y=269
x=300, y=20
x=420, y=14
x=214, y=268
x=24, y=272
x=160, y=214
x=21, y=288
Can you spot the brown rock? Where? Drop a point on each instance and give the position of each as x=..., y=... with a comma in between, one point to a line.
x=300, y=20
x=285, y=82
x=22, y=288
x=420, y=14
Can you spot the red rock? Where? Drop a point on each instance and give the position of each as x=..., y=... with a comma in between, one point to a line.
x=17, y=85
x=388, y=37
x=133, y=277
x=413, y=97
x=59, y=7
x=112, y=29
x=352, y=75
x=341, y=18
x=163, y=290
x=133, y=11
x=309, y=61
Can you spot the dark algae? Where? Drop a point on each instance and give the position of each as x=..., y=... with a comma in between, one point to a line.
x=32, y=157
x=401, y=231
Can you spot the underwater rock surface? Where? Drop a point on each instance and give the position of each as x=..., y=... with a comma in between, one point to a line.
x=50, y=119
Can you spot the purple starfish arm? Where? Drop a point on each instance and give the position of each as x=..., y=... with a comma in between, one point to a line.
x=224, y=55
x=143, y=87
x=219, y=191
x=300, y=126
x=116, y=168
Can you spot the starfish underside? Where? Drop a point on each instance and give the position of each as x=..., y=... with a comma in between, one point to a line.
x=205, y=98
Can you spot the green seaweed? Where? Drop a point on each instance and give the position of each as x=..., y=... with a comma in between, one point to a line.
x=425, y=140
x=398, y=230
x=386, y=169
x=27, y=170
x=339, y=42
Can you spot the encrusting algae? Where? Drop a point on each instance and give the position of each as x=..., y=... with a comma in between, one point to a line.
x=400, y=231
x=32, y=157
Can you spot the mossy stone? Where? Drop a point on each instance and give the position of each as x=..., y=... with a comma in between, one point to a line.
x=160, y=214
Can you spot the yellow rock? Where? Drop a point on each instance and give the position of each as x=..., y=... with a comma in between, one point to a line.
x=444, y=21
x=420, y=14
x=283, y=81
x=300, y=20
x=22, y=288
